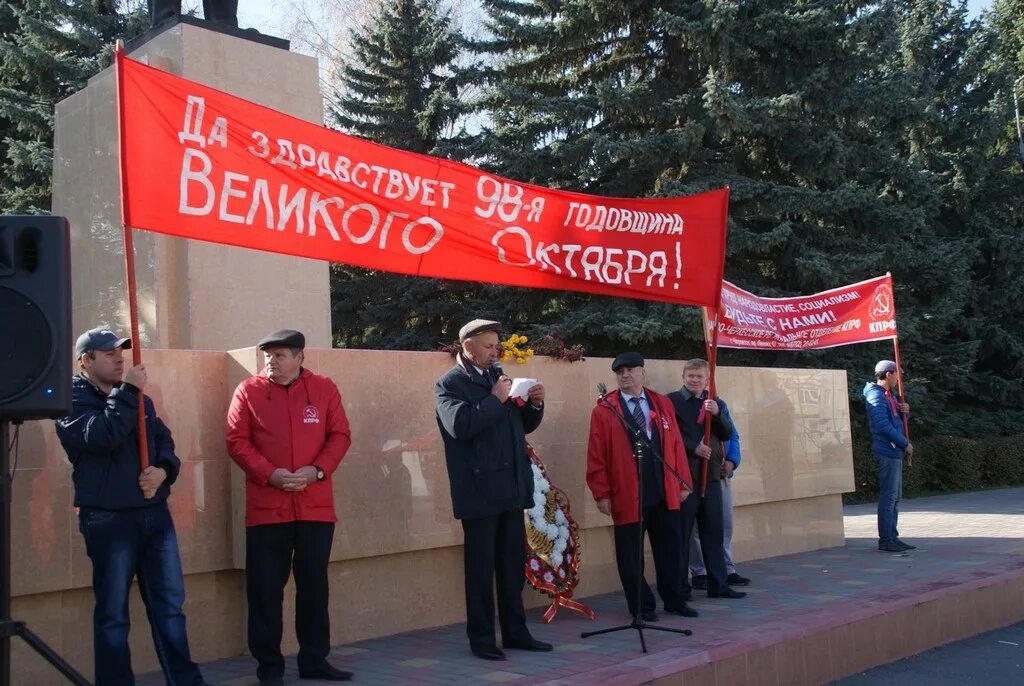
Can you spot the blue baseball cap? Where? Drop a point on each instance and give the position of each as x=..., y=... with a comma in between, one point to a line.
x=885, y=366
x=99, y=339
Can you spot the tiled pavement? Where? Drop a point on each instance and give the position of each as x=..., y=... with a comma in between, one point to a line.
x=961, y=538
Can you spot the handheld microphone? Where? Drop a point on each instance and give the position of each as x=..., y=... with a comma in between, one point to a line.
x=496, y=368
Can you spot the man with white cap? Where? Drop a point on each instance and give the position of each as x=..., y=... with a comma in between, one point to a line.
x=891, y=446
x=491, y=477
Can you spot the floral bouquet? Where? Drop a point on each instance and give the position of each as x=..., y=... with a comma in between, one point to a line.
x=552, y=543
x=510, y=349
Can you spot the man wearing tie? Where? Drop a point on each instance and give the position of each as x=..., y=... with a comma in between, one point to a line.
x=622, y=418
x=484, y=434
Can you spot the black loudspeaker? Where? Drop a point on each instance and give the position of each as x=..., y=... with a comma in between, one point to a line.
x=35, y=317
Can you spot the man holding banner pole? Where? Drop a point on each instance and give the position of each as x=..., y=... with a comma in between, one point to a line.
x=886, y=417
x=123, y=513
x=692, y=406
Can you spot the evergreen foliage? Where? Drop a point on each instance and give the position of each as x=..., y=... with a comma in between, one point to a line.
x=857, y=138
x=48, y=50
x=400, y=89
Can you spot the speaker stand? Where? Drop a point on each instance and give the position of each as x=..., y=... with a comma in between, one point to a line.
x=8, y=626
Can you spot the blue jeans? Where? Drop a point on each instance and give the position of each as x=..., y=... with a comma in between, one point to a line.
x=123, y=545
x=890, y=490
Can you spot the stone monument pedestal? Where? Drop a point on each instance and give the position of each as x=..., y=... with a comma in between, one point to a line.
x=191, y=294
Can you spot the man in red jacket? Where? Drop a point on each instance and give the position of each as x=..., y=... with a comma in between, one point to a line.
x=287, y=430
x=637, y=415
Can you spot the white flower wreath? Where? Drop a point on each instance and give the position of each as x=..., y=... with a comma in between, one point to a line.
x=557, y=532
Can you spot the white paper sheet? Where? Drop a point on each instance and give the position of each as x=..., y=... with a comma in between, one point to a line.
x=521, y=388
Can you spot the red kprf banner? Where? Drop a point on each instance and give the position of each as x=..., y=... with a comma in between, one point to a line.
x=199, y=163
x=853, y=314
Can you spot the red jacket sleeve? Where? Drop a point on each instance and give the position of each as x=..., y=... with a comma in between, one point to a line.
x=239, y=425
x=598, y=447
x=678, y=451
x=339, y=435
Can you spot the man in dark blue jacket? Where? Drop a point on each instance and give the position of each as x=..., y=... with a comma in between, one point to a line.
x=484, y=434
x=890, y=445
x=692, y=405
x=123, y=511
x=731, y=449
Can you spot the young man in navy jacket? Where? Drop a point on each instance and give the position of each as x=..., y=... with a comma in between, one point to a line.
x=123, y=511
x=890, y=445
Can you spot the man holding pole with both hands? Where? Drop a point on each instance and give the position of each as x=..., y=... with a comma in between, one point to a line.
x=692, y=409
x=122, y=510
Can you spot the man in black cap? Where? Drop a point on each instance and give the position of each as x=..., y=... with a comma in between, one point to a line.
x=630, y=419
x=123, y=513
x=692, y=407
x=219, y=11
x=491, y=479
x=287, y=430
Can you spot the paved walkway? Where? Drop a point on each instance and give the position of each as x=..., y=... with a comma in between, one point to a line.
x=961, y=537
x=995, y=658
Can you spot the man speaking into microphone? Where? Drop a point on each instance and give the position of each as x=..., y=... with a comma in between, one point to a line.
x=484, y=434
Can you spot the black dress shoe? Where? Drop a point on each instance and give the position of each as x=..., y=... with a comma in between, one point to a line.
x=649, y=616
x=727, y=593
x=325, y=672
x=890, y=547
x=905, y=545
x=684, y=611
x=700, y=582
x=735, y=579
x=487, y=652
x=533, y=645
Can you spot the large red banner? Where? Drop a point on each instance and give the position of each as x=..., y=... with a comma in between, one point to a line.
x=853, y=314
x=199, y=163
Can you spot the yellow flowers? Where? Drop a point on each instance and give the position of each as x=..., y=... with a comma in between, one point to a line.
x=510, y=349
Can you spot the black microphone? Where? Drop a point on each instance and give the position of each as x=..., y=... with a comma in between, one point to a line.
x=602, y=390
x=498, y=371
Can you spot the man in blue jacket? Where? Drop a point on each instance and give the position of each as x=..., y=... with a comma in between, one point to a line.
x=890, y=445
x=484, y=434
x=731, y=448
x=123, y=511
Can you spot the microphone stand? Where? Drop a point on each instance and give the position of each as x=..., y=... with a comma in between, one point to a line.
x=639, y=440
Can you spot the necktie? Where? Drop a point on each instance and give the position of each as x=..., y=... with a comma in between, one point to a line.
x=638, y=414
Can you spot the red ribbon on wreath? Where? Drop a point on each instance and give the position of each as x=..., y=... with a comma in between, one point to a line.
x=556, y=581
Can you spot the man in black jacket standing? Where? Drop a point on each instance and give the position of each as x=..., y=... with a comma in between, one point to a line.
x=692, y=406
x=123, y=511
x=484, y=434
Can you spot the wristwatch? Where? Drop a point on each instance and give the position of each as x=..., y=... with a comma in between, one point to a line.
x=319, y=473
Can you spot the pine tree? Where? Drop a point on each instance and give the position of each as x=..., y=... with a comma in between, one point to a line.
x=787, y=103
x=399, y=89
x=48, y=50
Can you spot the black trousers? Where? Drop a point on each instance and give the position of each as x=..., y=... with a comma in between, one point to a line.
x=495, y=555
x=224, y=11
x=706, y=513
x=662, y=527
x=271, y=552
